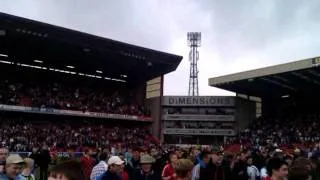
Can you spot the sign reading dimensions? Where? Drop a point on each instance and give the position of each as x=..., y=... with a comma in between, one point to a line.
x=199, y=101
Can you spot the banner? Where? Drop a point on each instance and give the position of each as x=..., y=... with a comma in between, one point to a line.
x=208, y=101
x=189, y=117
x=207, y=132
x=4, y=107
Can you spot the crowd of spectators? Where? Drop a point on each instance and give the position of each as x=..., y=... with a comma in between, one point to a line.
x=23, y=135
x=172, y=163
x=263, y=146
x=70, y=97
x=290, y=132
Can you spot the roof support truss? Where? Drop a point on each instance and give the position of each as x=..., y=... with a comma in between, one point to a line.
x=306, y=78
x=278, y=84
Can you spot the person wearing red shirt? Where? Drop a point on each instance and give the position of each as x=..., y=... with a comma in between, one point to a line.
x=125, y=175
x=87, y=163
x=168, y=172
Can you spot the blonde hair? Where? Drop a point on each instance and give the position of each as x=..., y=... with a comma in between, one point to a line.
x=183, y=167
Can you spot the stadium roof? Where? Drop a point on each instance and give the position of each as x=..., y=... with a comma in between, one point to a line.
x=36, y=43
x=300, y=77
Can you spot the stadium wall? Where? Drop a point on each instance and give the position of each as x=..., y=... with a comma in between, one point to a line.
x=154, y=93
x=245, y=112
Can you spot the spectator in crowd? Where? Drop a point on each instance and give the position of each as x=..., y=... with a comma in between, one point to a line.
x=3, y=153
x=219, y=169
x=35, y=157
x=26, y=173
x=168, y=172
x=115, y=168
x=70, y=170
x=134, y=163
x=240, y=168
x=160, y=160
x=3, y=156
x=146, y=172
x=13, y=168
x=253, y=171
x=124, y=174
x=263, y=170
x=87, y=162
x=44, y=161
x=101, y=167
x=289, y=159
x=299, y=172
x=183, y=169
x=277, y=169
x=128, y=155
x=202, y=166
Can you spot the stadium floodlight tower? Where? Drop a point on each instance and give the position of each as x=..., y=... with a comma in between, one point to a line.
x=194, y=41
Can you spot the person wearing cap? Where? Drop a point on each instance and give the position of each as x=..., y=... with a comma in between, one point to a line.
x=115, y=168
x=14, y=164
x=146, y=172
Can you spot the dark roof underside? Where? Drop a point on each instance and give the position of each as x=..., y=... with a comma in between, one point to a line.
x=303, y=81
x=25, y=40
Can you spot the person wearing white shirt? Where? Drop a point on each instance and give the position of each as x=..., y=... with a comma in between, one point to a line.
x=100, y=168
x=263, y=173
x=253, y=171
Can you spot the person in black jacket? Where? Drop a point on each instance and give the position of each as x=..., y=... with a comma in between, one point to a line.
x=217, y=168
x=133, y=164
x=44, y=160
x=240, y=168
x=146, y=172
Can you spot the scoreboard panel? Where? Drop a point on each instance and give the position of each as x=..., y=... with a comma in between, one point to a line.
x=198, y=120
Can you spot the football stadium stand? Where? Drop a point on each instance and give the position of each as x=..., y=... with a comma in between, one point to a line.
x=289, y=96
x=88, y=83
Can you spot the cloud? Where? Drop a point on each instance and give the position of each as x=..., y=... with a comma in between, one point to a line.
x=243, y=35
x=236, y=35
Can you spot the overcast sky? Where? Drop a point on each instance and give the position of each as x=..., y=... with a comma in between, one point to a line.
x=237, y=35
